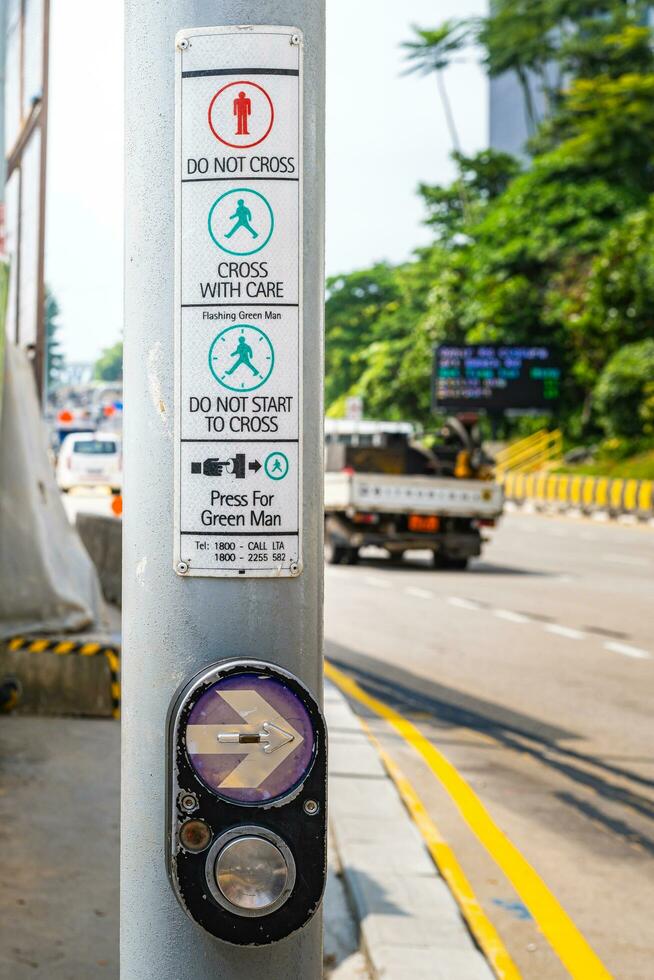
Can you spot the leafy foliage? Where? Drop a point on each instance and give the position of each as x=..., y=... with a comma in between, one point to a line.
x=54, y=358
x=561, y=251
x=625, y=391
x=109, y=366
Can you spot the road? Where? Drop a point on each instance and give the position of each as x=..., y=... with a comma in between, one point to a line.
x=533, y=674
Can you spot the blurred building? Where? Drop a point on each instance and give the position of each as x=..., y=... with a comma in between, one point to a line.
x=508, y=121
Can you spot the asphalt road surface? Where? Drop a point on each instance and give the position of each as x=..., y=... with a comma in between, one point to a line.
x=533, y=673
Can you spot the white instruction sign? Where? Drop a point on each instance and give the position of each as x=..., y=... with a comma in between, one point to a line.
x=238, y=299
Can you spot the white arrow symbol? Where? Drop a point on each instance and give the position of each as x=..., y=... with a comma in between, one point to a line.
x=266, y=739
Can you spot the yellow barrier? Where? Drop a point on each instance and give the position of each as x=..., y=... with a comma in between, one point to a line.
x=536, y=452
x=646, y=496
x=617, y=496
x=630, y=494
x=520, y=486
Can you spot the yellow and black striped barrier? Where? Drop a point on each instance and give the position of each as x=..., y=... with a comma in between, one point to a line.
x=31, y=644
x=584, y=493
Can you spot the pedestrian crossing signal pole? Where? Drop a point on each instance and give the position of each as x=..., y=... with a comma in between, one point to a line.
x=224, y=756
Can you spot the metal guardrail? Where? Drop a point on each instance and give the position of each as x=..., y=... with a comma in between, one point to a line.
x=585, y=493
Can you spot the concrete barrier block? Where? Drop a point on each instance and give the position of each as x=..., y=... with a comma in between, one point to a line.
x=59, y=685
x=103, y=539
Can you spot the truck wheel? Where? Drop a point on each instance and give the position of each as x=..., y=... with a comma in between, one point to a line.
x=396, y=556
x=334, y=553
x=351, y=556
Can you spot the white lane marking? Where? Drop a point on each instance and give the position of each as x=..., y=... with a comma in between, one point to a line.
x=454, y=600
x=566, y=631
x=626, y=650
x=626, y=560
x=377, y=583
x=418, y=593
x=511, y=617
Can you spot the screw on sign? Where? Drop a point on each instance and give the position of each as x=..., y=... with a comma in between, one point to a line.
x=241, y=114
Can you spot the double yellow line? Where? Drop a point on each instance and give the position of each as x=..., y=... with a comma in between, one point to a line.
x=556, y=925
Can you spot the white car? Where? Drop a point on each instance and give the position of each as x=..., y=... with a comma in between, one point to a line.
x=90, y=459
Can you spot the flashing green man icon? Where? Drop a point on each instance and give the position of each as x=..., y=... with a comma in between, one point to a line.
x=242, y=216
x=245, y=366
x=243, y=355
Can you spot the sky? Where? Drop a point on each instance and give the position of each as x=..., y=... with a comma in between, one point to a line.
x=386, y=133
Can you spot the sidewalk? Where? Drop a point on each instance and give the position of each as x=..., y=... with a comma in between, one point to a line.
x=410, y=924
x=59, y=874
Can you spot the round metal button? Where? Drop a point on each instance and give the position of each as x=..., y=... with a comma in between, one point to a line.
x=251, y=873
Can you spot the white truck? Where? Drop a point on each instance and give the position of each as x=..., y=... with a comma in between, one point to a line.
x=383, y=488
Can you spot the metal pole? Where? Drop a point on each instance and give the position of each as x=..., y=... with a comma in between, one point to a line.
x=41, y=350
x=174, y=626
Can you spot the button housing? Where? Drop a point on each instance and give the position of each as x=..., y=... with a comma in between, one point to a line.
x=299, y=835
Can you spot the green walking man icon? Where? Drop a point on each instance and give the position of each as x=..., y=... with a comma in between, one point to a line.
x=243, y=217
x=243, y=353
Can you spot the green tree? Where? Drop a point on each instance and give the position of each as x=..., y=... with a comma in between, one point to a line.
x=558, y=250
x=530, y=267
x=54, y=358
x=355, y=305
x=624, y=392
x=109, y=366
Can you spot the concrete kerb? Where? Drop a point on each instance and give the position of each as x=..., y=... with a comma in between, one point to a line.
x=410, y=924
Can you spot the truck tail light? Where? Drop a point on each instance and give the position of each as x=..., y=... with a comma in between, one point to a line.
x=365, y=518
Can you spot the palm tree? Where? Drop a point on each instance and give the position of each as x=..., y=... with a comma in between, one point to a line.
x=432, y=51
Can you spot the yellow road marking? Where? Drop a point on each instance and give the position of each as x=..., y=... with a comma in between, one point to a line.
x=556, y=925
x=445, y=860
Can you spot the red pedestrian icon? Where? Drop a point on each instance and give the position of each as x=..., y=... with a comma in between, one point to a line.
x=242, y=110
x=241, y=114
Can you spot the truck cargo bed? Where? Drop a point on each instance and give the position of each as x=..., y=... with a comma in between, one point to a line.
x=381, y=493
